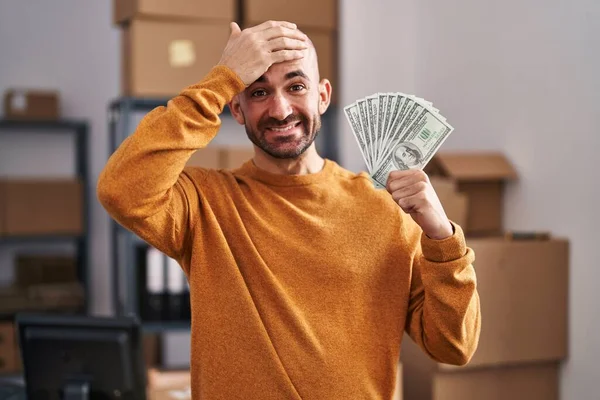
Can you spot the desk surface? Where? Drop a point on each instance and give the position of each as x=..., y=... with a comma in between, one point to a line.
x=12, y=388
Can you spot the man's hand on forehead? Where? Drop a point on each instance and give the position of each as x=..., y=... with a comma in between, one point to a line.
x=250, y=53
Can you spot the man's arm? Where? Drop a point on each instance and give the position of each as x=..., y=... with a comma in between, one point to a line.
x=444, y=316
x=143, y=186
x=443, y=313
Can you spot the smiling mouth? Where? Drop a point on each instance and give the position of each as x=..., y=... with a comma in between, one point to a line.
x=285, y=128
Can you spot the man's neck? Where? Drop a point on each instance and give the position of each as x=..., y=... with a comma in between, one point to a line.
x=309, y=162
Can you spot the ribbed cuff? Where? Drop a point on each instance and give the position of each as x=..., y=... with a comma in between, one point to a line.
x=444, y=250
x=222, y=81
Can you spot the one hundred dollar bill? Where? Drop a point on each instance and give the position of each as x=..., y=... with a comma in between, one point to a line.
x=416, y=146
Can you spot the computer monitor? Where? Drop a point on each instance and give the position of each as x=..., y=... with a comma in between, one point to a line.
x=68, y=357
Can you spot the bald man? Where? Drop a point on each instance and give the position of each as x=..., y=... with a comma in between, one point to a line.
x=302, y=276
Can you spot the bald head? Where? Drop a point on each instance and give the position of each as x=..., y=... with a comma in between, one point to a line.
x=307, y=67
x=312, y=58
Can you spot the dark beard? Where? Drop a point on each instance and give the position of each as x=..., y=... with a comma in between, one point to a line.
x=310, y=134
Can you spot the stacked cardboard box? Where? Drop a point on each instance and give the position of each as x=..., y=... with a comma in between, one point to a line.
x=43, y=283
x=523, y=288
x=167, y=46
x=317, y=18
x=41, y=207
x=221, y=157
x=31, y=104
x=10, y=358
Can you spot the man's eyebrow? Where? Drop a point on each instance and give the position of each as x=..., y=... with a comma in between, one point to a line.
x=296, y=73
x=288, y=76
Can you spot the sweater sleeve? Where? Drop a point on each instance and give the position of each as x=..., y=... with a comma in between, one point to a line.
x=143, y=185
x=444, y=316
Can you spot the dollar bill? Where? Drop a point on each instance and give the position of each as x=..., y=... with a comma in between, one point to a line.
x=372, y=105
x=416, y=146
x=364, y=120
x=395, y=130
x=352, y=115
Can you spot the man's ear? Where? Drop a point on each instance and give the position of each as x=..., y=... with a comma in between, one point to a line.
x=236, y=109
x=324, y=95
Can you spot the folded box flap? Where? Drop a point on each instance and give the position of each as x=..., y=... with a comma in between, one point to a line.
x=472, y=166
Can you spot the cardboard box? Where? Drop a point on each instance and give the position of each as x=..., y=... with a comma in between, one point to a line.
x=40, y=269
x=481, y=177
x=320, y=14
x=523, y=382
x=9, y=353
x=57, y=296
x=31, y=104
x=161, y=379
x=151, y=351
x=523, y=289
x=234, y=157
x=184, y=393
x=162, y=58
x=221, y=157
x=208, y=157
x=398, y=394
x=41, y=206
x=126, y=10
x=13, y=299
x=456, y=204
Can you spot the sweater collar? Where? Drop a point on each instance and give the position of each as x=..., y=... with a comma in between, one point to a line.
x=251, y=170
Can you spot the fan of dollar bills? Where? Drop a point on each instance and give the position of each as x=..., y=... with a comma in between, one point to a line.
x=396, y=131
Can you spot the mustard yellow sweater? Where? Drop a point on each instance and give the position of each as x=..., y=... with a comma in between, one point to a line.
x=301, y=286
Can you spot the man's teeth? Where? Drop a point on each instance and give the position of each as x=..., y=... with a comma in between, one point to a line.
x=285, y=128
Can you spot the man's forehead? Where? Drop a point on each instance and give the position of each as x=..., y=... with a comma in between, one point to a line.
x=280, y=71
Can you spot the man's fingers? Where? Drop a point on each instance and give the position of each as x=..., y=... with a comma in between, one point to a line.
x=272, y=24
x=235, y=29
x=281, y=31
x=287, y=55
x=412, y=203
x=286, y=43
x=398, y=179
x=408, y=191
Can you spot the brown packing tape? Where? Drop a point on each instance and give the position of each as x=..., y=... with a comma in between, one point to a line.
x=523, y=235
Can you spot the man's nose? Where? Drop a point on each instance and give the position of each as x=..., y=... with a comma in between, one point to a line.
x=280, y=107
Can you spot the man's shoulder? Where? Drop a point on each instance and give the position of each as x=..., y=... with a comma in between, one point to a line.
x=359, y=180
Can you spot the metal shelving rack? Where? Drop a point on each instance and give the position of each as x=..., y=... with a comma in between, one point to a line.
x=124, y=242
x=80, y=131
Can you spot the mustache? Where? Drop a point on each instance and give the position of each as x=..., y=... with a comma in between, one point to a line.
x=273, y=122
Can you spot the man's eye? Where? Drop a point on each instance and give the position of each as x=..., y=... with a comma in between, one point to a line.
x=296, y=88
x=259, y=93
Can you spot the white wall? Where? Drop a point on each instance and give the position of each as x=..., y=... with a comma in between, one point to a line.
x=376, y=54
x=522, y=76
x=69, y=45
x=516, y=76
